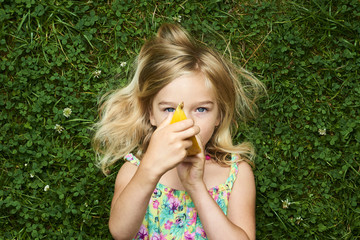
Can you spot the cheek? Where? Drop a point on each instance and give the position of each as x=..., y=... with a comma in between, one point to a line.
x=205, y=133
x=158, y=117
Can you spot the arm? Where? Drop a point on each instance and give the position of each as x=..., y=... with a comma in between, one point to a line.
x=135, y=185
x=133, y=189
x=240, y=220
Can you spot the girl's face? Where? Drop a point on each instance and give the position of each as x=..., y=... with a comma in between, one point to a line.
x=199, y=103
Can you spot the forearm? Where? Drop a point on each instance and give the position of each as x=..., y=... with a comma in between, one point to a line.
x=128, y=210
x=215, y=222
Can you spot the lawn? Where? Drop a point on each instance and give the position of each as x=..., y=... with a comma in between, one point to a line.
x=59, y=57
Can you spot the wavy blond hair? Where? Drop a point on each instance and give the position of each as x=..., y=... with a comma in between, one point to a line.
x=124, y=124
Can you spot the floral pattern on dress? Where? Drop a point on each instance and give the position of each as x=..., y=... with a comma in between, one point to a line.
x=171, y=214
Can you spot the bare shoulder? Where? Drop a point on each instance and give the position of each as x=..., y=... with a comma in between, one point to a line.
x=245, y=182
x=245, y=172
x=123, y=177
x=241, y=209
x=125, y=174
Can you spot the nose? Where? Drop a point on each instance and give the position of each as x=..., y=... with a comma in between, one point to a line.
x=187, y=113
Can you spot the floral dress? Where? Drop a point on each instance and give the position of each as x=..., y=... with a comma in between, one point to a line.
x=171, y=214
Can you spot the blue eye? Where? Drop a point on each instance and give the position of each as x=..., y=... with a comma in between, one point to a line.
x=169, y=109
x=201, y=109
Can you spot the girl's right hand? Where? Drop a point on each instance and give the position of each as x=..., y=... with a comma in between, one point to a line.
x=168, y=144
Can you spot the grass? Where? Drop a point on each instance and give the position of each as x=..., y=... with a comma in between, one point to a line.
x=307, y=134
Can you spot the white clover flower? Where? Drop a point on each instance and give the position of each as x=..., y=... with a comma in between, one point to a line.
x=285, y=203
x=123, y=64
x=298, y=220
x=86, y=204
x=46, y=188
x=322, y=132
x=31, y=175
x=25, y=164
x=67, y=112
x=97, y=73
x=178, y=18
x=58, y=128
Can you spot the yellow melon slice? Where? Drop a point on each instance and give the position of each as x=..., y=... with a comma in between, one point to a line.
x=178, y=116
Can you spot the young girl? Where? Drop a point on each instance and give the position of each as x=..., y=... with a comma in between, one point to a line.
x=160, y=191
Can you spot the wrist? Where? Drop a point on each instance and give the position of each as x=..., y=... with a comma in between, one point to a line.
x=149, y=166
x=195, y=188
x=148, y=174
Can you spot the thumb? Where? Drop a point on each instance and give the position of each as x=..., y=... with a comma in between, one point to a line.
x=202, y=153
x=199, y=156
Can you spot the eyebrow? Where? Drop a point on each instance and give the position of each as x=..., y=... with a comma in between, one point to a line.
x=205, y=103
x=197, y=103
x=166, y=103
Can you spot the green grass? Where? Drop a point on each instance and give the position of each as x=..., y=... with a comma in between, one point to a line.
x=306, y=52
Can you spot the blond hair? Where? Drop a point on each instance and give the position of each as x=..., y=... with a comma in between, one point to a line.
x=124, y=124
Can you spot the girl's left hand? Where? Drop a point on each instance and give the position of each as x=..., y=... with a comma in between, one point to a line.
x=191, y=170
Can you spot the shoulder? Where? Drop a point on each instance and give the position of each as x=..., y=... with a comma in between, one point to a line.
x=127, y=171
x=245, y=180
x=125, y=174
x=241, y=209
x=244, y=170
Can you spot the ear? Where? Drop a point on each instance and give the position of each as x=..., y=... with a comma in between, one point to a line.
x=217, y=123
x=218, y=120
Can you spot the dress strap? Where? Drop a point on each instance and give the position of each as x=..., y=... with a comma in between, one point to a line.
x=131, y=158
x=233, y=170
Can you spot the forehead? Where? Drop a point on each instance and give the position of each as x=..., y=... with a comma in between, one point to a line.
x=189, y=87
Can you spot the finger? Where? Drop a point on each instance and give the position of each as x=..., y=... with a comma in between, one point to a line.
x=196, y=157
x=188, y=132
x=182, y=125
x=187, y=143
x=166, y=121
x=202, y=153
